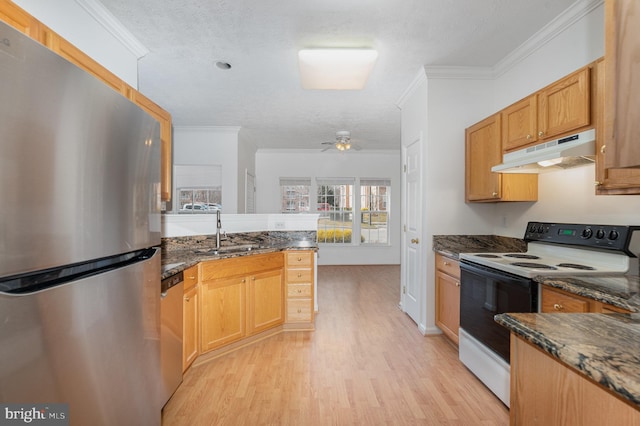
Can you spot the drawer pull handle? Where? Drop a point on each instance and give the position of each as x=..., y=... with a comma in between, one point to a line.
x=192, y=277
x=299, y=291
x=299, y=275
x=446, y=263
x=558, y=307
x=299, y=259
x=299, y=311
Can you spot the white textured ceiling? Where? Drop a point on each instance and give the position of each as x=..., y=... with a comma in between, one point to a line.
x=262, y=94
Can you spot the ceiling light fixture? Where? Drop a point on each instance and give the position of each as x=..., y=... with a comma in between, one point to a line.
x=336, y=69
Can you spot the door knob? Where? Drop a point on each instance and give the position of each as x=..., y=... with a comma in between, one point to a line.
x=415, y=241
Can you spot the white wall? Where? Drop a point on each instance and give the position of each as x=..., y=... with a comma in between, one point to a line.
x=246, y=163
x=74, y=22
x=273, y=164
x=569, y=195
x=210, y=145
x=182, y=225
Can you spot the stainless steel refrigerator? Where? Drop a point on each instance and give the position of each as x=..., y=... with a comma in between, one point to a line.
x=79, y=237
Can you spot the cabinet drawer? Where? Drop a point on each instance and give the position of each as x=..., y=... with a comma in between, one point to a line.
x=299, y=275
x=299, y=290
x=240, y=266
x=554, y=301
x=190, y=278
x=448, y=265
x=299, y=310
x=299, y=258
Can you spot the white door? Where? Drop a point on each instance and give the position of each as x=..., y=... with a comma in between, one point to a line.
x=412, y=261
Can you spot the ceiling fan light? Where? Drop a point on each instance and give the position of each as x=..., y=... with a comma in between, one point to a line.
x=336, y=69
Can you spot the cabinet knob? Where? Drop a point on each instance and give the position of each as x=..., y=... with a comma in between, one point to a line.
x=541, y=133
x=299, y=311
x=495, y=194
x=446, y=263
x=529, y=137
x=299, y=259
x=186, y=299
x=558, y=307
x=243, y=280
x=253, y=278
x=192, y=277
x=299, y=275
x=457, y=283
x=299, y=291
x=603, y=148
x=597, y=183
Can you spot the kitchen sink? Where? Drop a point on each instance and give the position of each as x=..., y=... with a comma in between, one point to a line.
x=230, y=249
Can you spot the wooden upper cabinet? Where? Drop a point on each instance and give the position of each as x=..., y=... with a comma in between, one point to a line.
x=483, y=150
x=164, y=118
x=520, y=123
x=618, y=158
x=24, y=22
x=13, y=15
x=560, y=108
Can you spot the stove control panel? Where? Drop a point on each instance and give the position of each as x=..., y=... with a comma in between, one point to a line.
x=608, y=237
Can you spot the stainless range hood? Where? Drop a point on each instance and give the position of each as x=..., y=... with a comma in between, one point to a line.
x=563, y=153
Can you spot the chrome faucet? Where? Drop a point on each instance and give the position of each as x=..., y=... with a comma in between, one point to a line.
x=218, y=228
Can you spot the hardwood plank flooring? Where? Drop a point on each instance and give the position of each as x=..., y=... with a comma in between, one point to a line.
x=365, y=364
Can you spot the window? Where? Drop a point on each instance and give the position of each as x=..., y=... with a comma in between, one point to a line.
x=334, y=203
x=294, y=195
x=374, y=211
x=198, y=188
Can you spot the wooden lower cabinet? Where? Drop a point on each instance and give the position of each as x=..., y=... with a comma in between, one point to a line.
x=223, y=316
x=240, y=297
x=266, y=300
x=299, y=277
x=448, y=296
x=554, y=300
x=190, y=318
x=546, y=392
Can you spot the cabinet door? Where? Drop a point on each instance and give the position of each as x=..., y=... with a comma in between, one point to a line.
x=266, y=301
x=190, y=327
x=520, y=124
x=223, y=312
x=618, y=161
x=565, y=106
x=483, y=151
x=448, y=305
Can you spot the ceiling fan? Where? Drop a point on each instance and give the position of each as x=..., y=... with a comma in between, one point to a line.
x=342, y=142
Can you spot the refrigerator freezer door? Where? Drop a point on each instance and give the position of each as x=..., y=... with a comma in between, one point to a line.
x=79, y=163
x=93, y=344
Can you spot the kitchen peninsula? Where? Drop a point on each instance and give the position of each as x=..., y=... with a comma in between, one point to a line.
x=252, y=286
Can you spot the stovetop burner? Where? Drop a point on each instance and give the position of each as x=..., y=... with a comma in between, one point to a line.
x=576, y=266
x=533, y=265
x=522, y=256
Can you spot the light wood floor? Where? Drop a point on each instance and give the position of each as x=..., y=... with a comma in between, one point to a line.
x=365, y=364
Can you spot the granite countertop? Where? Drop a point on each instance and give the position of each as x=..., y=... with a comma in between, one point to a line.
x=603, y=347
x=181, y=253
x=453, y=245
x=616, y=289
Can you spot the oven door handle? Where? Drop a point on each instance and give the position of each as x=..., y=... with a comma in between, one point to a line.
x=492, y=273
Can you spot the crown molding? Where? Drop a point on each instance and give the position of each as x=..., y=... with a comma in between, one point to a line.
x=105, y=18
x=553, y=29
x=417, y=80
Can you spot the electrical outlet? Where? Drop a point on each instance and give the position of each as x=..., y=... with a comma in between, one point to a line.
x=279, y=225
